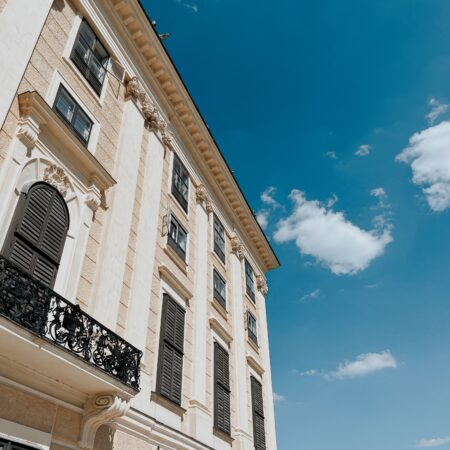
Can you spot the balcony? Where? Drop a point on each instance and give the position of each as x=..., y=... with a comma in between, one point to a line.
x=45, y=314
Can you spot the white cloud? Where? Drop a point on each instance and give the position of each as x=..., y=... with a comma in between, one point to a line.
x=437, y=109
x=262, y=217
x=277, y=398
x=363, y=150
x=364, y=365
x=428, y=154
x=329, y=237
x=378, y=192
x=190, y=6
x=267, y=197
x=331, y=155
x=436, y=442
x=311, y=296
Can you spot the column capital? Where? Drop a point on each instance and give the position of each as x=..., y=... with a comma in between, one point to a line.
x=237, y=248
x=261, y=284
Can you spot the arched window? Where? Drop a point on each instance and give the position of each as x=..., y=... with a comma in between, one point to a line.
x=38, y=232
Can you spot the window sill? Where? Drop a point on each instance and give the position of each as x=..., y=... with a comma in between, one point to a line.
x=176, y=204
x=222, y=435
x=219, y=261
x=175, y=257
x=250, y=302
x=168, y=404
x=253, y=344
x=219, y=308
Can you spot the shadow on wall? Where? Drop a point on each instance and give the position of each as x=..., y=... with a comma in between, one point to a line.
x=58, y=5
x=104, y=438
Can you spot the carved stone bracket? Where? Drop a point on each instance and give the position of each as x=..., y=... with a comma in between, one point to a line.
x=153, y=117
x=28, y=132
x=93, y=198
x=261, y=284
x=237, y=248
x=98, y=411
x=56, y=176
x=201, y=196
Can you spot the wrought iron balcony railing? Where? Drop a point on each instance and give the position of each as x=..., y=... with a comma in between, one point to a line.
x=42, y=311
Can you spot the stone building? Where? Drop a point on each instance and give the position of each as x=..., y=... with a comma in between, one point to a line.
x=132, y=269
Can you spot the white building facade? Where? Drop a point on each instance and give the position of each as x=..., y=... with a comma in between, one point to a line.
x=132, y=269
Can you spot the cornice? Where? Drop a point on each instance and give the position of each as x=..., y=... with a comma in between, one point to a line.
x=184, y=113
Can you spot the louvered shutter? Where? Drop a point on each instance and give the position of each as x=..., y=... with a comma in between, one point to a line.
x=38, y=232
x=170, y=370
x=222, y=413
x=259, y=434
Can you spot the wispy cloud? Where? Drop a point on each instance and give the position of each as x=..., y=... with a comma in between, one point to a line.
x=331, y=155
x=311, y=295
x=436, y=442
x=428, y=154
x=437, y=109
x=329, y=237
x=270, y=203
x=363, y=150
x=191, y=6
x=362, y=365
x=277, y=398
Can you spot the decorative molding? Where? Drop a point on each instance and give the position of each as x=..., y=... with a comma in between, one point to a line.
x=93, y=198
x=261, y=284
x=220, y=330
x=201, y=196
x=154, y=120
x=98, y=411
x=56, y=176
x=28, y=132
x=237, y=248
x=255, y=365
x=167, y=275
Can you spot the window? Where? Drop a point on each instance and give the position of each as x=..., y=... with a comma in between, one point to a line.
x=170, y=366
x=249, y=282
x=8, y=445
x=219, y=239
x=259, y=434
x=90, y=57
x=220, y=291
x=222, y=412
x=73, y=115
x=180, y=183
x=38, y=232
x=177, y=238
x=252, y=327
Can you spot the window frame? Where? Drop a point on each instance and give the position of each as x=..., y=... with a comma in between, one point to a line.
x=252, y=334
x=184, y=202
x=250, y=280
x=219, y=231
x=173, y=243
x=216, y=294
x=62, y=90
x=85, y=71
x=8, y=444
x=258, y=413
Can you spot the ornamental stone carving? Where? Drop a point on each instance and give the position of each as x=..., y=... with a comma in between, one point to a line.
x=56, y=176
x=153, y=118
x=93, y=198
x=98, y=411
x=261, y=284
x=201, y=196
x=28, y=132
x=237, y=248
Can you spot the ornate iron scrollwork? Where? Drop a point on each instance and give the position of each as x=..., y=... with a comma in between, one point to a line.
x=42, y=311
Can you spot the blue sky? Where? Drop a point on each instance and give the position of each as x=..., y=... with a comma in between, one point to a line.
x=333, y=116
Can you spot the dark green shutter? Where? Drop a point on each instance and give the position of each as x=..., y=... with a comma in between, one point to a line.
x=259, y=434
x=222, y=413
x=38, y=232
x=170, y=370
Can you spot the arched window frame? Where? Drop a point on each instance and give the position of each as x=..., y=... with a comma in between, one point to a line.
x=43, y=249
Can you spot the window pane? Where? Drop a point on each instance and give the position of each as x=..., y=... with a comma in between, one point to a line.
x=82, y=125
x=173, y=228
x=81, y=47
x=182, y=239
x=87, y=34
x=65, y=105
x=96, y=68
